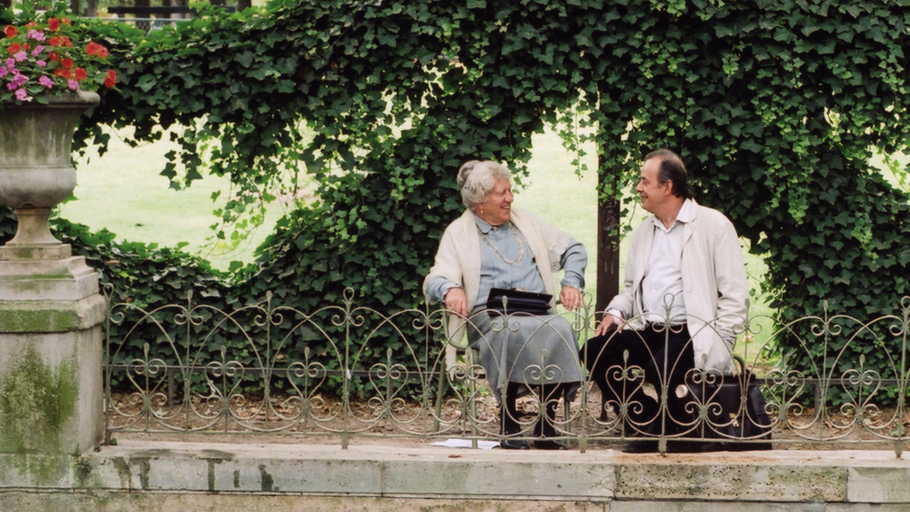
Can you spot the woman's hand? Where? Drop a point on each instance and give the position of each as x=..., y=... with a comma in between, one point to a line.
x=457, y=301
x=570, y=297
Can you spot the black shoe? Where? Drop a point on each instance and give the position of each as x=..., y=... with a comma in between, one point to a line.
x=684, y=447
x=651, y=446
x=550, y=444
x=514, y=444
x=640, y=446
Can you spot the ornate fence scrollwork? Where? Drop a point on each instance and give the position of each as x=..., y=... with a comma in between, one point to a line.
x=345, y=371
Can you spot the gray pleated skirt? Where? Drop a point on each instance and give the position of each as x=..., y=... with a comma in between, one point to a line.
x=531, y=350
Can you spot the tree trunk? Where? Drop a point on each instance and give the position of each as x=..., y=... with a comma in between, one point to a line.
x=608, y=223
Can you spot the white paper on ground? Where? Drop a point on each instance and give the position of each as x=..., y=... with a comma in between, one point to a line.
x=466, y=443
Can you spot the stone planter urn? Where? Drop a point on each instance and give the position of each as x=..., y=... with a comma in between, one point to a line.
x=50, y=309
x=36, y=174
x=36, y=170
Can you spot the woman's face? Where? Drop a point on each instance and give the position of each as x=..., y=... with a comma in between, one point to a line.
x=496, y=209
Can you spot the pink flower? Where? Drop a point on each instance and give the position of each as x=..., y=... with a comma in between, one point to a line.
x=46, y=81
x=72, y=84
x=37, y=35
x=41, y=63
x=22, y=95
x=3, y=71
x=38, y=49
x=17, y=81
x=21, y=56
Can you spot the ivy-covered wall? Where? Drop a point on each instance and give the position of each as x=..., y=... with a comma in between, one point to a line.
x=776, y=105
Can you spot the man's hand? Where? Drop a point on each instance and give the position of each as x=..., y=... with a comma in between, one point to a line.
x=571, y=297
x=606, y=323
x=457, y=301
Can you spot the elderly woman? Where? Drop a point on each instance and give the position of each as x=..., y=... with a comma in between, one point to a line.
x=493, y=245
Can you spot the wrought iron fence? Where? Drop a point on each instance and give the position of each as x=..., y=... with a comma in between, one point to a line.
x=150, y=18
x=147, y=23
x=346, y=371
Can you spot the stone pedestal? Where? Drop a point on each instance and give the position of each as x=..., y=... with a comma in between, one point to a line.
x=51, y=381
x=51, y=313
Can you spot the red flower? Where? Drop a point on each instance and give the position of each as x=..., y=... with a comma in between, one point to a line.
x=79, y=74
x=53, y=56
x=60, y=41
x=14, y=48
x=66, y=63
x=10, y=31
x=66, y=21
x=110, y=79
x=94, y=48
x=62, y=72
x=53, y=24
x=31, y=24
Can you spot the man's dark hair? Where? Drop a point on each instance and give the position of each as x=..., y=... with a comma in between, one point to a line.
x=672, y=168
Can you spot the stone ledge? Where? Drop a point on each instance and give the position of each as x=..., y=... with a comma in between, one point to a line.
x=30, y=252
x=47, y=316
x=782, y=480
x=68, y=279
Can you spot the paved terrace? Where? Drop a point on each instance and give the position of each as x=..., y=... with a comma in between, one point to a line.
x=140, y=475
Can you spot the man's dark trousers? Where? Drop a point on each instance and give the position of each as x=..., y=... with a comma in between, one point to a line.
x=660, y=350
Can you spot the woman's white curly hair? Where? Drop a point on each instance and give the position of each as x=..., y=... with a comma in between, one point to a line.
x=477, y=178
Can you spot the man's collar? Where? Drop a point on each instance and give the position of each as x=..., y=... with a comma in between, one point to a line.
x=687, y=212
x=685, y=215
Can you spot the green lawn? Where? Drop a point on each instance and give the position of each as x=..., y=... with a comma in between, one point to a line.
x=124, y=192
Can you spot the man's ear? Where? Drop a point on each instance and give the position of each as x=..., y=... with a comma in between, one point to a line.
x=668, y=187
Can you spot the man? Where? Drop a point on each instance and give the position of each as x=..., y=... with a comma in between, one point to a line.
x=683, y=303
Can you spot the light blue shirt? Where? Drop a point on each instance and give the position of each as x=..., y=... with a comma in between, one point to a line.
x=662, y=285
x=521, y=274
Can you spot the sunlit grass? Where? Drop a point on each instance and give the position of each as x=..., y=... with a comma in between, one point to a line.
x=124, y=192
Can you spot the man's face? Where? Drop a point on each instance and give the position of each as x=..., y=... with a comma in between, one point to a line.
x=497, y=207
x=649, y=189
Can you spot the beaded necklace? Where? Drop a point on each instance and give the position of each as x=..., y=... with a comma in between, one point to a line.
x=521, y=245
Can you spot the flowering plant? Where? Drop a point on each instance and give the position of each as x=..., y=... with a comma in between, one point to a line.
x=47, y=56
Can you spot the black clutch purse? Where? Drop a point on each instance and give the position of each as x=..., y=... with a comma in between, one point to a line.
x=509, y=302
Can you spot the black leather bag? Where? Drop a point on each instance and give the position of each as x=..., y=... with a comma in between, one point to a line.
x=518, y=302
x=728, y=423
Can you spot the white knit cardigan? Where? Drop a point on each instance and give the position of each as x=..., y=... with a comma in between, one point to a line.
x=458, y=260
